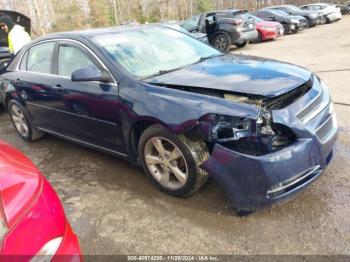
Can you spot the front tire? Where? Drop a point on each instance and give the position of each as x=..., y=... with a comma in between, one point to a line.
x=172, y=162
x=260, y=38
x=286, y=29
x=241, y=45
x=308, y=23
x=21, y=122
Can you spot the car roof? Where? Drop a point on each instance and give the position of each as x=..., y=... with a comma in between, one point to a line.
x=87, y=33
x=278, y=6
x=317, y=4
x=228, y=11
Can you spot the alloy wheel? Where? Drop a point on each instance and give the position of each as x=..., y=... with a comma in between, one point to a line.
x=19, y=121
x=220, y=43
x=166, y=163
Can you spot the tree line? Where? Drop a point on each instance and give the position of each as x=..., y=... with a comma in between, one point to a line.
x=64, y=15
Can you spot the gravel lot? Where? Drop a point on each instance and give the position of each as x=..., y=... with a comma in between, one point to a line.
x=114, y=209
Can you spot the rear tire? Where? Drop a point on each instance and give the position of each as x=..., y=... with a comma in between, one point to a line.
x=157, y=150
x=222, y=42
x=21, y=122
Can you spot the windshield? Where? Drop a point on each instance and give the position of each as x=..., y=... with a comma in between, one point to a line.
x=294, y=8
x=257, y=19
x=176, y=27
x=153, y=50
x=279, y=12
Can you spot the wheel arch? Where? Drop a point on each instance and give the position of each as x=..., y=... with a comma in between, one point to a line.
x=140, y=126
x=230, y=35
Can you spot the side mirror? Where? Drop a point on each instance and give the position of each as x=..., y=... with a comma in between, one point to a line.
x=89, y=74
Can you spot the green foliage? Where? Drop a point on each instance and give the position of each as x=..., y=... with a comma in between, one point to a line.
x=204, y=5
x=101, y=13
x=68, y=18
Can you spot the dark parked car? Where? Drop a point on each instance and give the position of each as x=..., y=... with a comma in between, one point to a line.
x=344, y=8
x=291, y=23
x=224, y=28
x=312, y=18
x=262, y=128
x=199, y=36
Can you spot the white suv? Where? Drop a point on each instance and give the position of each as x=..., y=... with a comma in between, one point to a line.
x=330, y=12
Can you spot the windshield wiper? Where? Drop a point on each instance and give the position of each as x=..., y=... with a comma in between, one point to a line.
x=162, y=72
x=207, y=57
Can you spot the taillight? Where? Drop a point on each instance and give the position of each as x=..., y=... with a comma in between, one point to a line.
x=48, y=250
x=3, y=224
x=236, y=21
x=3, y=229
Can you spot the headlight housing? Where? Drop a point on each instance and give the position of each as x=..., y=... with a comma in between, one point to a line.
x=48, y=250
x=245, y=135
x=268, y=28
x=313, y=16
x=294, y=21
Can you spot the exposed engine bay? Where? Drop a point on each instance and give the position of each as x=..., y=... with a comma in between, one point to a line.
x=249, y=136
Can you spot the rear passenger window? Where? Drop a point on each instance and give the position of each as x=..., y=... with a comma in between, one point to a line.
x=39, y=58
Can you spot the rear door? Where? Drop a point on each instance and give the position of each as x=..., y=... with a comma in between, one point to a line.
x=33, y=82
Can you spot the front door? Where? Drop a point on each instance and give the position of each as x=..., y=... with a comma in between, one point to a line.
x=87, y=111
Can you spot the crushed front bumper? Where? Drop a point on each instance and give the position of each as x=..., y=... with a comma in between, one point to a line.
x=255, y=182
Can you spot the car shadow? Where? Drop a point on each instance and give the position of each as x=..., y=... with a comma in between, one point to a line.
x=91, y=167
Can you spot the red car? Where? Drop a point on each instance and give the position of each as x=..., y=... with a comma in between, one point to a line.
x=267, y=30
x=33, y=224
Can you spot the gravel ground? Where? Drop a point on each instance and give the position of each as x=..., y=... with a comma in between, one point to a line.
x=114, y=209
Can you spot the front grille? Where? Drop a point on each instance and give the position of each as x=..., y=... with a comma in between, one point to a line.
x=316, y=106
x=293, y=183
x=311, y=107
x=318, y=115
x=327, y=129
x=287, y=99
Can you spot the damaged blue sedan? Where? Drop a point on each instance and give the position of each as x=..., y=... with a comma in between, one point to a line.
x=177, y=107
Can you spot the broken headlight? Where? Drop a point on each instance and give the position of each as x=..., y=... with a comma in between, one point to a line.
x=245, y=135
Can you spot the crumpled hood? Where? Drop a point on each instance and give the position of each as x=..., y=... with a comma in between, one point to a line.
x=239, y=74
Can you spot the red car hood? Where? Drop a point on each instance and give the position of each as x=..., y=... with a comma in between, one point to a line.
x=267, y=24
x=20, y=183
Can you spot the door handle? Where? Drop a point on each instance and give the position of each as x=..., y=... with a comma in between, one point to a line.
x=58, y=86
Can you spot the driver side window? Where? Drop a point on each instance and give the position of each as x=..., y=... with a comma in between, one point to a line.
x=191, y=23
x=71, y=58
